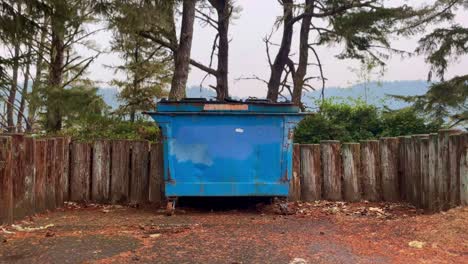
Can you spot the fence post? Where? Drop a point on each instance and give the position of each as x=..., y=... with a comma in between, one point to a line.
x=403, y=166
x=59, y=163
x=424, y=171
x=457, y=144
x=295, y=181
x=18, y=175
x=80, y=171
x=417, y=170
x=432, y=179
x=40, y=158
x=331, y=162
x=51, y=174
x=100, y=175
x=351, y=157
x=311, y=173
x=66, y=168
x=370, y=170
x=389, y=149
x=6, y=181
x=139, y=174
x=120, y=163
x=464, y=177
x=29, y=174
x=156, y=174
x=443, y=168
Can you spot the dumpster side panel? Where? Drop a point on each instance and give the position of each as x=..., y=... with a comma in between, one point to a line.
x=227, y=155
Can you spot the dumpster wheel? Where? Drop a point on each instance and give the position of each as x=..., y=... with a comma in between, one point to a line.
x=170, y=206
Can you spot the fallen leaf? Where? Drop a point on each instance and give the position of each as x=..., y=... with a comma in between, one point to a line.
x=298, y=261
x=30, y=229
x=7, y=232
x=416, y=244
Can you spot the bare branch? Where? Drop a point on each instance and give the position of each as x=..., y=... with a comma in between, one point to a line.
x=322, y=94
x=207, y=19
x=253, y=77
x=80, y=72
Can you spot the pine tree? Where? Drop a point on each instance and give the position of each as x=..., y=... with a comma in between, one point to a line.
x=445, y=99
x=148, y=70
x=363, y=28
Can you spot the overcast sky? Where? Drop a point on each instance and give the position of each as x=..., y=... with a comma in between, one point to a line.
x=248, y=57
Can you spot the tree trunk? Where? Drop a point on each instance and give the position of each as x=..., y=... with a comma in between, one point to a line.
x=24, y=93
x=54, y=114
x=14, y=82
x=298, y=78
x=182, y=56
x=224, y=10
x=136, y=84
x=32, y=105
x=13, y=89
x=283, y=52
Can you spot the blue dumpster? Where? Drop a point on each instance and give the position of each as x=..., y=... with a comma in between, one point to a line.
x=227, y=148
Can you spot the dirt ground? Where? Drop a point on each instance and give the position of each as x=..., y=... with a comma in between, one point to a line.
x=321, y=232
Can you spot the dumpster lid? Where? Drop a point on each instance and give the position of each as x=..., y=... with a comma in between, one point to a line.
x=202, y=105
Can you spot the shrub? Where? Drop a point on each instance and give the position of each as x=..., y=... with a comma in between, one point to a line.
x=354, y=120
x=112, y=128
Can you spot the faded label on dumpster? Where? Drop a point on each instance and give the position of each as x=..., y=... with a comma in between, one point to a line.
x=234, y=107
x=239, y=130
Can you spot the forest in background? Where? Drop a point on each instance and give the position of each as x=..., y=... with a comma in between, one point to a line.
x=45, y=88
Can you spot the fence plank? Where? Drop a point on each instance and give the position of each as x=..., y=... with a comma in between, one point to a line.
x=59, y=170
x=29, y=174
x=139, y=173
x=370, y=170
x=389, y=150
x=156, y=174
x=51, y=174
x=424, y=172
x=120, y=163
x=40, y=158
x=66, y=168
x=403, y=171
x=295, y=183
x=18, y=175
x=311, y=173
x=351, y=157
x=464, y=177
x=416, y=182
x=457, y=144
x=431, y=185
x=6, y=181
x=331, y=162
x=443, y=167
x=101, y=171
x=80, y=171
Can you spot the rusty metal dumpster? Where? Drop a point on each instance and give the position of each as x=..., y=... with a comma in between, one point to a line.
x=227, y=148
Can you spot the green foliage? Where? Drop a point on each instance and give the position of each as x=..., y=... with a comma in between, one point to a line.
x=444, y=100
x=101, y=127
x=78, y=103
x=406, y=121
x=354, y=121
x=443, y=44
x=447, y=99
x=366, y=29
x=146, y=65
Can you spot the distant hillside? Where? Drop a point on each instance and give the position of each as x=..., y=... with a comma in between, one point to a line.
x=110, y=96
x=377, y=93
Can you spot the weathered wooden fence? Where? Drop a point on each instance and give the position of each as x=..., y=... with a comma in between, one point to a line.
x=40, y=174
x=429, y=171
